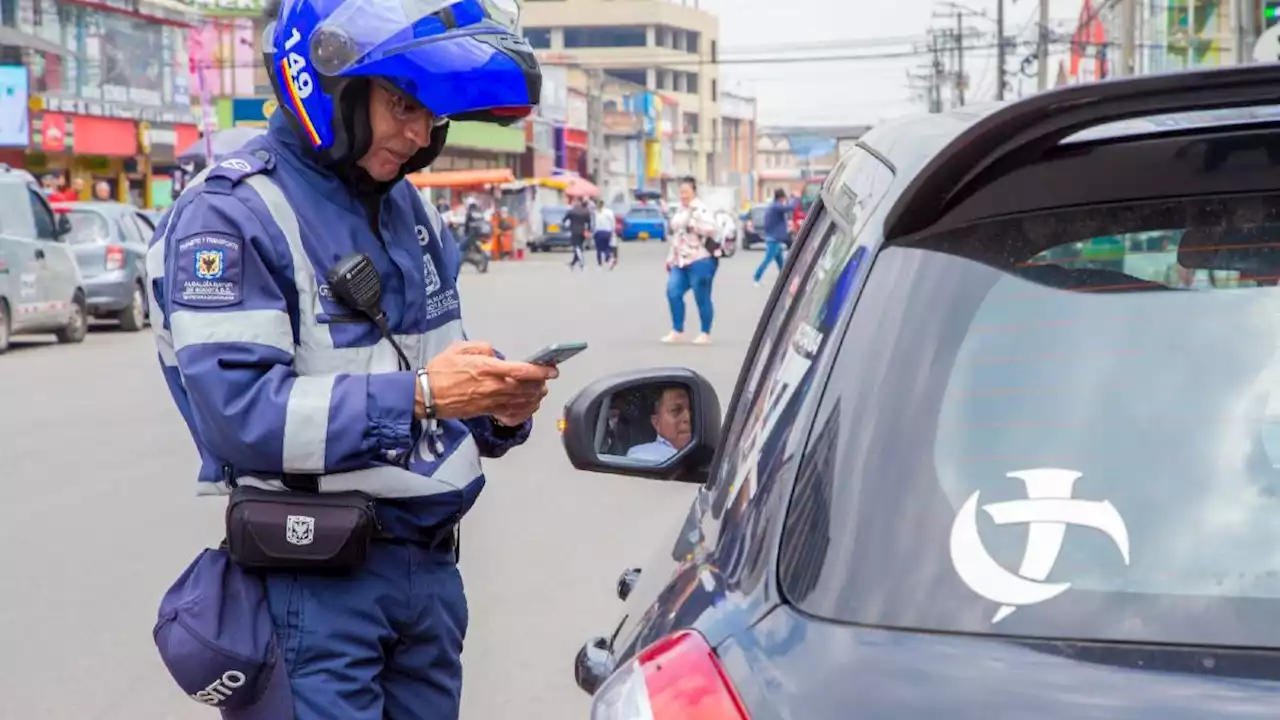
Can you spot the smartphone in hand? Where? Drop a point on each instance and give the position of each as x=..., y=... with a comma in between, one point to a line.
x=553, y=355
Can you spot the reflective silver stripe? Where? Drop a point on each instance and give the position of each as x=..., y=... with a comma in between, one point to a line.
x=381, y=357
x=311, y=335
x=155, y=270
x=384, y=481
x=306, y=424
x=263, y=327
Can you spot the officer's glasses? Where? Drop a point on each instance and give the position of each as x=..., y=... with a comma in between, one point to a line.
x=405, y=109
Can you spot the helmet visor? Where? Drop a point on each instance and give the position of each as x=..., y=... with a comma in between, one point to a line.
x=360, y=27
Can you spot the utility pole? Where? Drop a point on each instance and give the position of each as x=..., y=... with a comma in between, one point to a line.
x=1128, y=29
x=1000, y=76
x=960, y=83
x=595, y=125
x=1042, y=49
x=935, y=84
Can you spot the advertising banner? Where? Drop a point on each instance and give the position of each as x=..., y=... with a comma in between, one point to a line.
x=15, y=128
x=227, y=8
x=253, y=112
x=132, y=53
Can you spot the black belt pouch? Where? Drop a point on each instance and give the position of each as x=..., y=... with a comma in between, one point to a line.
x=299, y=531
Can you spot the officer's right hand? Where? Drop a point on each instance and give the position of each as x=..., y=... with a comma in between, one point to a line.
x=468, y=380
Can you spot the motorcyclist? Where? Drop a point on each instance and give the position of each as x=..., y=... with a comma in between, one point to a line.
x=284, y=387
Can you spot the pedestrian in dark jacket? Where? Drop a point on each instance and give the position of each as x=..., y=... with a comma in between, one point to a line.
x=579, y=219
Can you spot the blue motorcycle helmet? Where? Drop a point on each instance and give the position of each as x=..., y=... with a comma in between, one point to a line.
x=459, y=59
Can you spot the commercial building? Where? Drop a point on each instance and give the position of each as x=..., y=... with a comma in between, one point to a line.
x=103, y=89
x=664, y=48
x=1170, y=35
x=738, y=143
x=788, y=157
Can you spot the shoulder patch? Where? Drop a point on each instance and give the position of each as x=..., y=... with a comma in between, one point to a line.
x=209, y=271
x=228, y=172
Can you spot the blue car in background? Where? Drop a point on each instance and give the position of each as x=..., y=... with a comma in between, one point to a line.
x=644, y=222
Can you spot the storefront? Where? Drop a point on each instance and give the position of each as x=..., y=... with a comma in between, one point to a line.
x=482, y=146
x=108, y=74
x=126, y=154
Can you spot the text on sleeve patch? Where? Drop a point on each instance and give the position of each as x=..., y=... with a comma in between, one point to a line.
x=210, y=271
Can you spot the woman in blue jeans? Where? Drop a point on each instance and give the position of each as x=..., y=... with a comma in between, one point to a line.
x=691, y=264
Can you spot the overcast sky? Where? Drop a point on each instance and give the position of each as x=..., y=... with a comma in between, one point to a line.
x=861, y=91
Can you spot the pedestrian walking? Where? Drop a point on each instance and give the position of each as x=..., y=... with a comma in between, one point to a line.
x=603, y=236
x=776, y=223
x=691, y=262
x=579, y=220
x=350, y=450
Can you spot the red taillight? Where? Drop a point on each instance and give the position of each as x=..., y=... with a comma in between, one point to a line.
x=115, y=257
x=676, y=678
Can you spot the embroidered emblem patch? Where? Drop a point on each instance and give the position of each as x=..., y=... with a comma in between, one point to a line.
x=209, y=271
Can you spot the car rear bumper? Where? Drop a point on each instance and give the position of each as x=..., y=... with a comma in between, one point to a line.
x=553, y=240
x=108, y=293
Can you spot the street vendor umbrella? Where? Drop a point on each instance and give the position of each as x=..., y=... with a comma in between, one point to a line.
x=580, y=187
x=224, y=142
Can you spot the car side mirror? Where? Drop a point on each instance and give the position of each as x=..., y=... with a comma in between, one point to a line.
x=662, y=424
x=62, y=224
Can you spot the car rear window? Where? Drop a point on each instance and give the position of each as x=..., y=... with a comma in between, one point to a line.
x=644, y=213
x=1052, y=426
x=758, y=215
x=87, y=227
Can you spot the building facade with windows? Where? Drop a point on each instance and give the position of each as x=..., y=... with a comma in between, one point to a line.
x=665, y=48
x=108, y=92
x=738, y=143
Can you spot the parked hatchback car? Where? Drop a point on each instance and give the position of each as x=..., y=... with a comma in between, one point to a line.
x=41, y=289
x=970, y=469
x=109, y=240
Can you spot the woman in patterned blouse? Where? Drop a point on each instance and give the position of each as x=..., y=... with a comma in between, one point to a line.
x=691, y=262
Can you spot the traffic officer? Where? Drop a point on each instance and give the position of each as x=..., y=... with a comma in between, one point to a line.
x=276, y=378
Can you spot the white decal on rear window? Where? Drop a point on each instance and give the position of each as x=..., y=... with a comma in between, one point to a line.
x=1048, y=510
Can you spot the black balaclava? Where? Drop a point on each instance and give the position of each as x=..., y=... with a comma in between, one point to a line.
x=353, y=110
x=353, y=136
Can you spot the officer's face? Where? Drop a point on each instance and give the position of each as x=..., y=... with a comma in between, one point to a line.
x=400, y=128
x=672, y=419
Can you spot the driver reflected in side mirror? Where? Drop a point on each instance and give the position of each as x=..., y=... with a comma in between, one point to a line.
x=662, y=424
x=648, y=423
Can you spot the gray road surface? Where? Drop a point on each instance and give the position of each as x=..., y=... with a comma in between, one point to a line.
x=100, y=515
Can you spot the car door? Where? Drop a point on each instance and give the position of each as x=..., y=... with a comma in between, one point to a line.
x=21, y=278
x=137, y=233
x=60, y=275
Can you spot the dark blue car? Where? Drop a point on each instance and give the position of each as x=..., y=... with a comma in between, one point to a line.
x=969, y=470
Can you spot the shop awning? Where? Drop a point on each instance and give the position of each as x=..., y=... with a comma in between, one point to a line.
x=14, y=37
x=462, y=178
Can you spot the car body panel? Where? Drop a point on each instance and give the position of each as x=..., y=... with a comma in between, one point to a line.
x=782, y=669
x=720, y=573
x=96, y=227
x=40, y=277
x=554, y=231
x=644, y=223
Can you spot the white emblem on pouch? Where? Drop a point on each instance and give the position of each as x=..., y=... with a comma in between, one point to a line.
x=300, y=530
x=1047, y=511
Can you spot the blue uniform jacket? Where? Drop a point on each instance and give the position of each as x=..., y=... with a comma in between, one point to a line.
x=272, y=375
